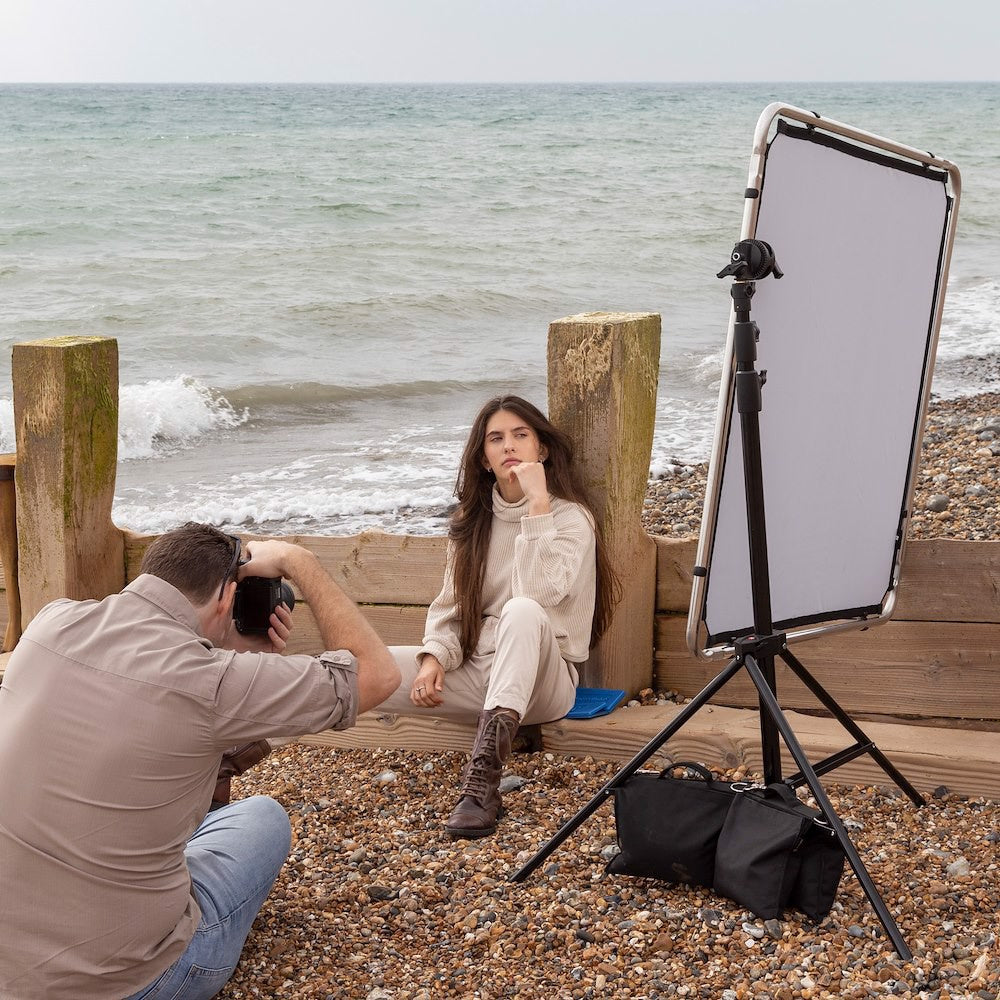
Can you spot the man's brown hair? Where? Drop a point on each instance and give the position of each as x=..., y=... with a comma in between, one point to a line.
x=195, y=558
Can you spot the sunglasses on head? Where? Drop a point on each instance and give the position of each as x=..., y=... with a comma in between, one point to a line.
x=233, y=566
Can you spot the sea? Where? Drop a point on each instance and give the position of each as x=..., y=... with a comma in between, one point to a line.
x=314, y=288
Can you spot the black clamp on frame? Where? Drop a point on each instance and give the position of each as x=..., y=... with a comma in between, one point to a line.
x=759, y=645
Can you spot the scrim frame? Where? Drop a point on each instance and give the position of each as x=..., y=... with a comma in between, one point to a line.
x=862, y=228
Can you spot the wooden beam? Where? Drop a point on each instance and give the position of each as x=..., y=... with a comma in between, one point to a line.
x=942, y=579
x=396, y=625
x=944, y=669
x=965, y=762
x=399, y=732
x=949, y=580
x=66, y=423
x=675, y=559
x=602, y=376
x=372, y=568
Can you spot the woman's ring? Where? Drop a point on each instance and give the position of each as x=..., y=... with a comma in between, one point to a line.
x=420, y=688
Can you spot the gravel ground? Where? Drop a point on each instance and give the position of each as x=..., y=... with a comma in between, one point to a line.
x=378, y=903
x=957, y=483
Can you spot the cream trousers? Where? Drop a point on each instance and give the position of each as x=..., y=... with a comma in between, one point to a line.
x=526, y=673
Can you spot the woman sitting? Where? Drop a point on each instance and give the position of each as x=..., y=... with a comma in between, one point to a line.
x=527, y=590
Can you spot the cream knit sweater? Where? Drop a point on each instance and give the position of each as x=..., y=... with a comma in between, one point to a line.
x=550, y=558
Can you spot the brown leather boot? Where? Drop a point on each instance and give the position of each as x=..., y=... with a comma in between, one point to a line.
x=479, y=806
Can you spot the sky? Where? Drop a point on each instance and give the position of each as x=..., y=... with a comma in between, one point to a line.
x=428, y=41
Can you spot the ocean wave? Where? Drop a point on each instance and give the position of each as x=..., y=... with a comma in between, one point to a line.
x=297, y=507
x=154, y=417
x=350, y=208
x=165, y=414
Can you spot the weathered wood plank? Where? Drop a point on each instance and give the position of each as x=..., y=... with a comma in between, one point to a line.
x=949, y=580
x=372, y=568
x=398, y=732
x=942, y=579
x=966, y=762
x=902, y=668
x=396, y=625
x=674, y=563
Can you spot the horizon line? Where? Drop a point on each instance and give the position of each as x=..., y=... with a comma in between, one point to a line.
x=475, y=83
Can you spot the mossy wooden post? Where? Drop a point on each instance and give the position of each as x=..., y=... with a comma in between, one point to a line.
x=603, y=370
x=66, y=423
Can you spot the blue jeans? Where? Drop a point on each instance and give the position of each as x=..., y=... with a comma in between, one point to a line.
x=234, y=857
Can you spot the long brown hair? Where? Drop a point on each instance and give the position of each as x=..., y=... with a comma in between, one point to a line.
x=472, y=521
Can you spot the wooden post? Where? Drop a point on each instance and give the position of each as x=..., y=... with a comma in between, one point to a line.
x=66, y=423
x=8, y=551
x=603, y=371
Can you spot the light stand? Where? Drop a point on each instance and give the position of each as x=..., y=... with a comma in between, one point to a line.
x=752, y=260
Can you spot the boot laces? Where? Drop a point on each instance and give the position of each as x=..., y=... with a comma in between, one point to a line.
x=480, y=781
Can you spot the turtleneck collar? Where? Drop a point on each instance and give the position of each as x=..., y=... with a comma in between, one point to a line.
x=509, y=511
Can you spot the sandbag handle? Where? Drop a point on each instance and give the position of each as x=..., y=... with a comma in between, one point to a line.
x=787, y=794
x=782, y=791
x=690, y=765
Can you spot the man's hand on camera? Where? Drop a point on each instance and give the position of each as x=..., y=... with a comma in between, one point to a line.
x=275, y=640
x=270, y=557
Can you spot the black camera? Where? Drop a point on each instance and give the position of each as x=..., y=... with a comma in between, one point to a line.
x=256, y=599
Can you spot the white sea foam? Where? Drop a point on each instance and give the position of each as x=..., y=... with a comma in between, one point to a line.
x=6, y=425
x=309, y=505
x=165, y=414
x=970, y=326
x=156, y=417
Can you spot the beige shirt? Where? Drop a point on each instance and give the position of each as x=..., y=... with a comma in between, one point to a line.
x=551, y=558
x=113, y=719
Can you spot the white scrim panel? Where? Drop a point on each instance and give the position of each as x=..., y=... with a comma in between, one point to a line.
x=843, y=337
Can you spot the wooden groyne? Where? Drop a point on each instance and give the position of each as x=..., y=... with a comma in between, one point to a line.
x=927, y=684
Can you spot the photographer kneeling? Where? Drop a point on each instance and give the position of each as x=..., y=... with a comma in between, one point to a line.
x=116, y=879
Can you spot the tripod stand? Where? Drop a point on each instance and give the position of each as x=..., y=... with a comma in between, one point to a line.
x=756, y=653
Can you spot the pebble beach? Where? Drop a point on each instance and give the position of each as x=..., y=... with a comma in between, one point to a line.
x=377, y=902
x=955, y=494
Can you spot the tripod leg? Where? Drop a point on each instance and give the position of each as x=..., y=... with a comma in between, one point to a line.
x=851, y=726
x=795, y=749
x=628, y=770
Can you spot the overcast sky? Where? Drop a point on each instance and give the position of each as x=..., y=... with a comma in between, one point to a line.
x=497, y=40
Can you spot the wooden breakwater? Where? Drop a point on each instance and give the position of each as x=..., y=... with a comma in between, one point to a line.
x=928, y=682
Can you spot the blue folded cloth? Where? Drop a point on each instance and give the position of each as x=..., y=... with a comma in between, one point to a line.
x=591, y=702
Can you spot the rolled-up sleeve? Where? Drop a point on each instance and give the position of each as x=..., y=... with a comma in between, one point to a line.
x=342, y=669
x=268, y=694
